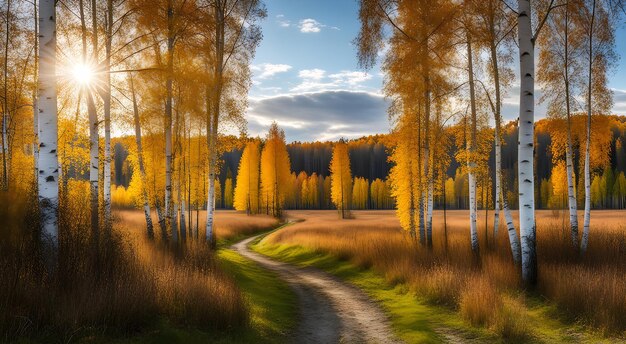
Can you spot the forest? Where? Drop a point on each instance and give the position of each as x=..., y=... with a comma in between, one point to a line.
x=136, y=205
x=369, y=160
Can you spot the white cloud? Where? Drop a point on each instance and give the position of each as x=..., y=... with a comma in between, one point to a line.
x=315, y=74
x=351, y=78
x=267, y=70
x=310, y=25
x=315, y=80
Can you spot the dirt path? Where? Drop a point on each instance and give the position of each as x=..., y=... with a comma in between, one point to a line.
x=330, y=311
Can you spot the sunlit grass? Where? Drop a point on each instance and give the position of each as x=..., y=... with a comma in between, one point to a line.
x=588, y=291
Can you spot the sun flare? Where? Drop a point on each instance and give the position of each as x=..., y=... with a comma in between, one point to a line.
x=83, y=74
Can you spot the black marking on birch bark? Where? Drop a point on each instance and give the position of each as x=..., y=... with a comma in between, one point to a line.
x=42, y=145
x=528, y=75
x=527, y=181
x=524, y=160
x=53, y=151
x=40, y=110
x=41, y=171
x=526, y=53
x=49, y=178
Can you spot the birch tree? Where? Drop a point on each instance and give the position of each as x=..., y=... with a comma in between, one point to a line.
x=234, y=36
x=48, y=180
x=559, y=59
x=494, y=30
x=142, y=170
x=527, y=37
x=596, y=20
x=472, y=151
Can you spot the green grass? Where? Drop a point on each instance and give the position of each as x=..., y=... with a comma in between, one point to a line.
x=413, y=320
x=417, y=321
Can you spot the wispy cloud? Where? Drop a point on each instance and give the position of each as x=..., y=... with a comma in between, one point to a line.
x=310, y=25
x=315, y=74
x=267, y=70
x=316, y=80
x=282, y=21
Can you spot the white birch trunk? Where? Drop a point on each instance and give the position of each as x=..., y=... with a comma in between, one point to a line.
x=106, y=97
x=429, y=213
x=35, y=104
x=210, y=211
x=569, y=161
x=168, y=115
x=510, y=227
x=496, y=209
x=183, y=224
x=142, y=170
x=5, y=147
x=93, y=163
x=472, y=150
x=587, y=217
x=5, y=104
x=48, y=176
x=586, y=220
x=210, y=205
x=571, y=192
x=526, y=143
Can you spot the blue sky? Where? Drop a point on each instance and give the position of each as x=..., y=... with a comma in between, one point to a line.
x=306, y=77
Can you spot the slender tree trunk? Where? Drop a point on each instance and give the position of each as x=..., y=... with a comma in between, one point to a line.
x=585, y=239
x=497, y=138
x=106, y=99
x=427, y=168
x=569, y=161
x=94, y=143
x=500, y=197
x=48, y=176
x=174, y=222
x=445, y=215
x=35, y=87
x=214, y=113
x=526, y=143
x=5, y=105
x=472, y=150
x=168, y=116
x=211, y=136
x=142, y=170
x=429, y=213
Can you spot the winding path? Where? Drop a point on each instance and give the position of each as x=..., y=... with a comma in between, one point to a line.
x=331, y=311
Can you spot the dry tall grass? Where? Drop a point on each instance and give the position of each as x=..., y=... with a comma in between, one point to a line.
x=592, y=288
x=119, y=286
x=228, y=224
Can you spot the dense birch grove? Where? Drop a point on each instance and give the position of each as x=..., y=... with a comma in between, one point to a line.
x=173, y=73
x=431, y=44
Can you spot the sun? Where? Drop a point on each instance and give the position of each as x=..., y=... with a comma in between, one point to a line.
x=83, y=74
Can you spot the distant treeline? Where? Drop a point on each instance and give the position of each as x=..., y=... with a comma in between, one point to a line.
x=369, y=161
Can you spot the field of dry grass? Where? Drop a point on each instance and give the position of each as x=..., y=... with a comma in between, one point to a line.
x=486, y=290
x=120, y=285
x=229, y=224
